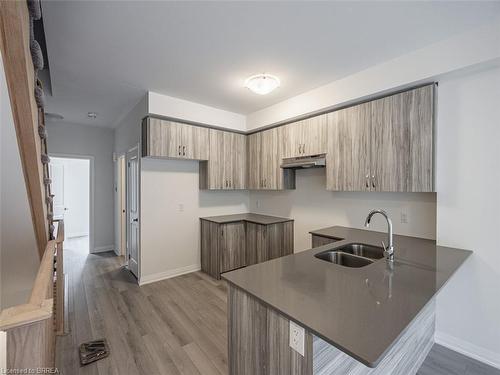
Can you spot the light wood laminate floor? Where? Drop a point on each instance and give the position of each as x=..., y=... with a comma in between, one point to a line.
x=176, y=326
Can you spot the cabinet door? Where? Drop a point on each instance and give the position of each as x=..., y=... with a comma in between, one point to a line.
x=279, y=238
x=306, y=137
x=194, y=142
x=270, y=160
x=232, y=246
x=348, y=156
x=256, y=244
x=313, y=135
x=163, y=139
x=254, y=161
x=401, y=141
x=213, y=170
x=236, y=161
x=292, y=140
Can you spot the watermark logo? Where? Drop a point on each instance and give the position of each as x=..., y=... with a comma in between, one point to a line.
x=37, y=370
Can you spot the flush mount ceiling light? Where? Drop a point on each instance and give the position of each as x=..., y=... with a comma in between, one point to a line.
x=262, y=84
x=92, y=115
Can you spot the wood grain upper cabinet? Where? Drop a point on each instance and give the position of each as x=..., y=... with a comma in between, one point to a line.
x=168, y=139
x=264, y=171
x=254, y=161
x=383, y=145
x=402, y=142
x=226, y=168
x=194, y=141
x=305, y=137
x=348, y=157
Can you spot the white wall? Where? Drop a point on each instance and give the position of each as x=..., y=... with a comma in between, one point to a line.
x=313, y=207
x=128, y=129
x=163, y=105
x=171, y=205
x=18, y=249
x=468, y=206
x=480, y=46
x=170, y=237
x=70, y=139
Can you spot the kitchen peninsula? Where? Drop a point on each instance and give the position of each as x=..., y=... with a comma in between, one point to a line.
x=375, y=319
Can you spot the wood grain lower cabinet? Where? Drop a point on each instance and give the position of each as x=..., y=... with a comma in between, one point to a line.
x=266, y=242
x=259, y=339
x=317, y=241
x=226, y=168
x=173, y=140
x=232, y=252
x=228, y=246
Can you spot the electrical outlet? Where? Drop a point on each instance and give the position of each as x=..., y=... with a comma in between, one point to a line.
x=257, y=203
x=297, y=336
x=180, y=207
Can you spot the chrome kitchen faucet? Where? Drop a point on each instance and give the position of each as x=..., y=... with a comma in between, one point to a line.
x=389, y=250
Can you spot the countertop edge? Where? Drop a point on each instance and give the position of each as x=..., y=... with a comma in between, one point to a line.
x=271, y=219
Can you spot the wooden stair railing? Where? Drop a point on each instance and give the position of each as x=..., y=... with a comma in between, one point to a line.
x=59, y=286
x=30, y=327
x=28, y=115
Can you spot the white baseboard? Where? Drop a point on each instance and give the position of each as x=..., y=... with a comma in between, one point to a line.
x=77, y=234
x=466, y=348
x=148, y=279
x=102, y=249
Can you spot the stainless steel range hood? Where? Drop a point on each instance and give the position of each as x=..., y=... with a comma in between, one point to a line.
x=301, y=162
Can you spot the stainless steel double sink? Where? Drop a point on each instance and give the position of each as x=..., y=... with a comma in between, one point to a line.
x=353, y=255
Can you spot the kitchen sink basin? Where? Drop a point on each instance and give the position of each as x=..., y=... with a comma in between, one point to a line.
x=362, y=250
x=354, y=255
x=344, y=259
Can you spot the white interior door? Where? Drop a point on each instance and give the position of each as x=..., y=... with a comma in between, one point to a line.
x=123, y=205
x=71, y=190
x=132, y=184
x=57, y=176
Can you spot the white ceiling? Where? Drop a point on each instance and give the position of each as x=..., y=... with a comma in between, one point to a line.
x=105, y=55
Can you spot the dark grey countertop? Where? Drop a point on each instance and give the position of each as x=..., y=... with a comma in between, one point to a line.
x=250, y=217
x=361, y=311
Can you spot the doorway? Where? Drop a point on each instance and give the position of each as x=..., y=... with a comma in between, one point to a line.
x=121, y=206
x=71, y=186
x=132, y=211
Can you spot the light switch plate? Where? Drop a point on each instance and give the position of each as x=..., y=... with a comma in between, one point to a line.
x=297, y=337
